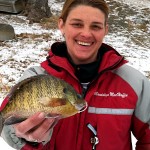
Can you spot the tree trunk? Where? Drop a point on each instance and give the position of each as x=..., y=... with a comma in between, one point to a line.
x=36, y=10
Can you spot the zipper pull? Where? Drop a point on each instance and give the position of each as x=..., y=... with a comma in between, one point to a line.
x=94, y=140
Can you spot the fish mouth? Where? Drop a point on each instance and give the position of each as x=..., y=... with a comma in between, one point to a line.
x=81, y=107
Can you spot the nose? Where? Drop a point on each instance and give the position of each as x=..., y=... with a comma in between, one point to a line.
x=86, y=32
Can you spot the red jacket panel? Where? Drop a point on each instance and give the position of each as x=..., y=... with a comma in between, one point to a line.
x=115, y=100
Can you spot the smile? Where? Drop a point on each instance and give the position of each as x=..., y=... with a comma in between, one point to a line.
x=84, y=43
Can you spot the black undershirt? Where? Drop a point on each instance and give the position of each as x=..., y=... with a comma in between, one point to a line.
x=86, y=72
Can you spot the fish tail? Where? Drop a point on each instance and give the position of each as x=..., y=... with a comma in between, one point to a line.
x=1, y=123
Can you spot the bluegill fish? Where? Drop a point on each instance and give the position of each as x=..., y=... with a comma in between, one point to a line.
x=41, y=93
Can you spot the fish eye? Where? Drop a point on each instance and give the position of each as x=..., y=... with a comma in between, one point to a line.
x=65, y=90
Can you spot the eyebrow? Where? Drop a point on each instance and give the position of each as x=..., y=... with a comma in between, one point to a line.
x=95, y=22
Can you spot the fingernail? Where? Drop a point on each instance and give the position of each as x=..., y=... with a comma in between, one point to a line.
x=41, y=115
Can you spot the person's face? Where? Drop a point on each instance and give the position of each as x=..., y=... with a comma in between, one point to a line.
x=84, y=31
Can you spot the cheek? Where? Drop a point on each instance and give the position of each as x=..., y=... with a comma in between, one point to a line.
x=100, y=36
x=69, y=32
x=70, y=37
x=101, y=33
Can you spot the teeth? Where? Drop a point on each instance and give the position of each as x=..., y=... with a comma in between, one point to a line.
x=84, y=43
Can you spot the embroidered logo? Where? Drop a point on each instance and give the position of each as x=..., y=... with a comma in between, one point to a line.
x=111, y=94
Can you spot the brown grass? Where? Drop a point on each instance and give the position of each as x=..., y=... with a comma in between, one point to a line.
x=50, y=23
x=34, y=36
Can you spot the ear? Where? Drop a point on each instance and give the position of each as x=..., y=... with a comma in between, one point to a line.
x=106, y=29
x=61, y=25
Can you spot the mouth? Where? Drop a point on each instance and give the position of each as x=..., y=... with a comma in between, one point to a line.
x=84, y=43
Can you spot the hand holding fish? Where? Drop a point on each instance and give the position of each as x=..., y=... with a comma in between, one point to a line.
x=36, y=128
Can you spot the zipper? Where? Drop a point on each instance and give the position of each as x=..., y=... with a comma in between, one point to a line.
x=84, y=90
x=94, y=140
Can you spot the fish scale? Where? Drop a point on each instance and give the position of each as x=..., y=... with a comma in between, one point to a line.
x=41, y=93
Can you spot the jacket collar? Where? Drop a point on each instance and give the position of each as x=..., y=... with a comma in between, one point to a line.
x=59, y=59
x=108, y=55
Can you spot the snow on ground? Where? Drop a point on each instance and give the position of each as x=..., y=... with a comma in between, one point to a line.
x=140, y=4
x=32, y=44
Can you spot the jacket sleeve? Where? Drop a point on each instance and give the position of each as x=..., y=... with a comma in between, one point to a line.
x=140, y=123
x=8, y=132
x=33, y=71
x=141, y=117
x=9, y=136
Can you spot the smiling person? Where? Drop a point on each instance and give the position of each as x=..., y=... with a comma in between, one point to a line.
x=118, y=95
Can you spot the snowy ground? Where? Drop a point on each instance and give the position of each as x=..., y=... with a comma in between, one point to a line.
x=33, y=42
x=136, y=3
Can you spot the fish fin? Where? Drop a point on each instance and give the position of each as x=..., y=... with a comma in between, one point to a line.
x=52, y=102
x=53, y=116
x=1, y=123
x=4, y=103
x=13, y=120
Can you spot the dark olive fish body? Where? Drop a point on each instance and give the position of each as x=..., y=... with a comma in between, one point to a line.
x=42, y=93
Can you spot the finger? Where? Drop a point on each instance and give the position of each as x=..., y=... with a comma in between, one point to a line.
x=41, y=130
x=46, y=136
x=54, y=123
x=29, y=123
